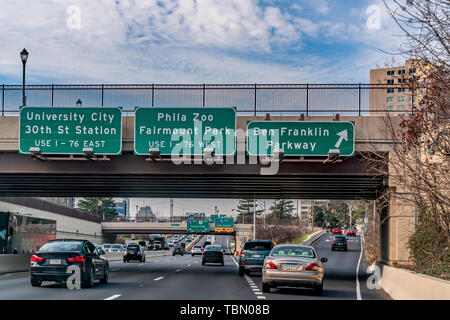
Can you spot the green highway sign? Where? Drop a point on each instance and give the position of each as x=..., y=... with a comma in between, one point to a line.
x=57, y=130
x=185, y=131
x=224, y=223
x=300, y=138
x=198, y=225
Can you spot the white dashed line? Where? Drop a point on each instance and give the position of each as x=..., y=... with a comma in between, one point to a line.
x=358, y=288
x=178, y=270
x=261, y=297
x=158, y=278
x=254, y=288
x=113, y=297
x=189, y=265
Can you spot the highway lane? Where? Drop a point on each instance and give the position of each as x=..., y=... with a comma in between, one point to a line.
x=184, y=278
x=339, y=278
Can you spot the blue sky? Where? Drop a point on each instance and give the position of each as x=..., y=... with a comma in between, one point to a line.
x=193, y=41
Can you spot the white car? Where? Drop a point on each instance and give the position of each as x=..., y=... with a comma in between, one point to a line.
x=197, y=250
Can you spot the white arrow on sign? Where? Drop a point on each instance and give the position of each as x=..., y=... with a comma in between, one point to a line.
x=342, y=135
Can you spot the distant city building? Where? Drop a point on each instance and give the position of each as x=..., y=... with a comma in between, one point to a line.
x=195, y=215
x=397, y=98
x=145, y=214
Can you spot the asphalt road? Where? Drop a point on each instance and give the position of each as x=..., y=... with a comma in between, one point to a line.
x=184, y=278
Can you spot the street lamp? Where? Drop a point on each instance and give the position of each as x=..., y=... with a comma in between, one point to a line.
x=24, y=58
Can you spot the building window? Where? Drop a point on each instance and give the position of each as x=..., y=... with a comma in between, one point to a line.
x=390, y=81
x=401, y=98
x=400, y=81
x=410, y=98
x=401, y=71
x=401, y=107
x=390, y=99
x=390, y=90
x=390, y=108
x=412, y=70
x=401, y=89
x=390, y=72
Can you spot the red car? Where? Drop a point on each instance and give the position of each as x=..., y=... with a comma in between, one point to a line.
x=351, y=232
x=336, y=230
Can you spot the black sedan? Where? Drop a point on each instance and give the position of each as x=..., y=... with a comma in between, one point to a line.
x=52, y=261
x=213, y=254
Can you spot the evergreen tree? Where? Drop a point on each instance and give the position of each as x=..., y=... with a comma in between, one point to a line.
x=245, y=209
x=90, y=205
x=282, y=209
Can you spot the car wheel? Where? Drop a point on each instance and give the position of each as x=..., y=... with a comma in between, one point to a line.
x=332, y=249
x=105, y=276
x=36, y=282
x=265, y=287
x=241, y=271
x=89, y=282
x=203, y=263
x=222, y=263
x=124, y=260
x=319, y=289
x=192, y=254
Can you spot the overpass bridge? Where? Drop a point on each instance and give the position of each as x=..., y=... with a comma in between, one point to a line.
x=166, y=228
x=129, y=175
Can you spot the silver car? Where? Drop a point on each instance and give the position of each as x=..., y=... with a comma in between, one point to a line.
x=293, y=266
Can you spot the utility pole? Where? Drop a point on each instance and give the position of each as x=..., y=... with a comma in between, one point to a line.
x=254, y=219
x=171, y=209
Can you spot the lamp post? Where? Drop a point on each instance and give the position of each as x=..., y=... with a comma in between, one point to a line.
x=24, y=58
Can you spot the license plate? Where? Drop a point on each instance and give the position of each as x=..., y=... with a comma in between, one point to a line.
x=55, y=261
x=290, y=267
x=256, y=256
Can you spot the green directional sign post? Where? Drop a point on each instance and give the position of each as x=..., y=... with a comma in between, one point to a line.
x=224, y=223
x=197, y=225
x=185, y=131
x=300, y=138
x=56, y=130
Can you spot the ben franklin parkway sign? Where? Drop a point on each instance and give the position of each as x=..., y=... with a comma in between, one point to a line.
x=185, y=131
x=70, y=130
x=301, y=138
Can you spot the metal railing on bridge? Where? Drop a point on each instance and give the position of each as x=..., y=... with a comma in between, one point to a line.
x=249, y=99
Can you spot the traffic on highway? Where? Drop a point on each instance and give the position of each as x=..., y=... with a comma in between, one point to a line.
x=262, y=270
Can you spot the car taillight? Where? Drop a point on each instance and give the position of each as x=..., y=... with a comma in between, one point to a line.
x=270, y=265
x=35, y=258
x=242, y=253
x=76, y=259
x=312, y=267
x=333, y=241
x=203, y=253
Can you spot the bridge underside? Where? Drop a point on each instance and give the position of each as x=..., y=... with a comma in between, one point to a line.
x=131, y=176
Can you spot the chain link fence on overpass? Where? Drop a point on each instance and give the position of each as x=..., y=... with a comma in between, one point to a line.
x=248, y=99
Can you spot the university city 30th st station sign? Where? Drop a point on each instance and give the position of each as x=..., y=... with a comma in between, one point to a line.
x=185, y=131
x=59, y=130
x=300, y=138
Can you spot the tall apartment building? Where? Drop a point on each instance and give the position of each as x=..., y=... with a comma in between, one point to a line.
x=393, y=99
x=145, y=214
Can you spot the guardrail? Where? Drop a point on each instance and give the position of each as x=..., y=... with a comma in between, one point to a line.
x=256, y=99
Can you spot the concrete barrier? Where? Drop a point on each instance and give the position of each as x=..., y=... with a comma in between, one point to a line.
x=14, y=262
x=314, y=237
x=403, y=284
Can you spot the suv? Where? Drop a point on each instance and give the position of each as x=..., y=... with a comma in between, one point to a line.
x=339, y=242
x=177, y=250
x=134, y=252
x=253, y=254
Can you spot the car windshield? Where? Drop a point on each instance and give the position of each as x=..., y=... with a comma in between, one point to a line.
x=293, y=251
x=106, y=246
x=258, y=246
x=117, y=246
x=213, y=248
x=197, y=247
x=62, y=246
x=133, y=247
x=339, y=238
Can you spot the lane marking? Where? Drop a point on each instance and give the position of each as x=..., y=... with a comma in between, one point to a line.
x=358, y=288
x=14, y=273
x=254, y=288
x=178, y=270
x=261, y=297
x=189, y=265
x=113, y=297
x=157, y=279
